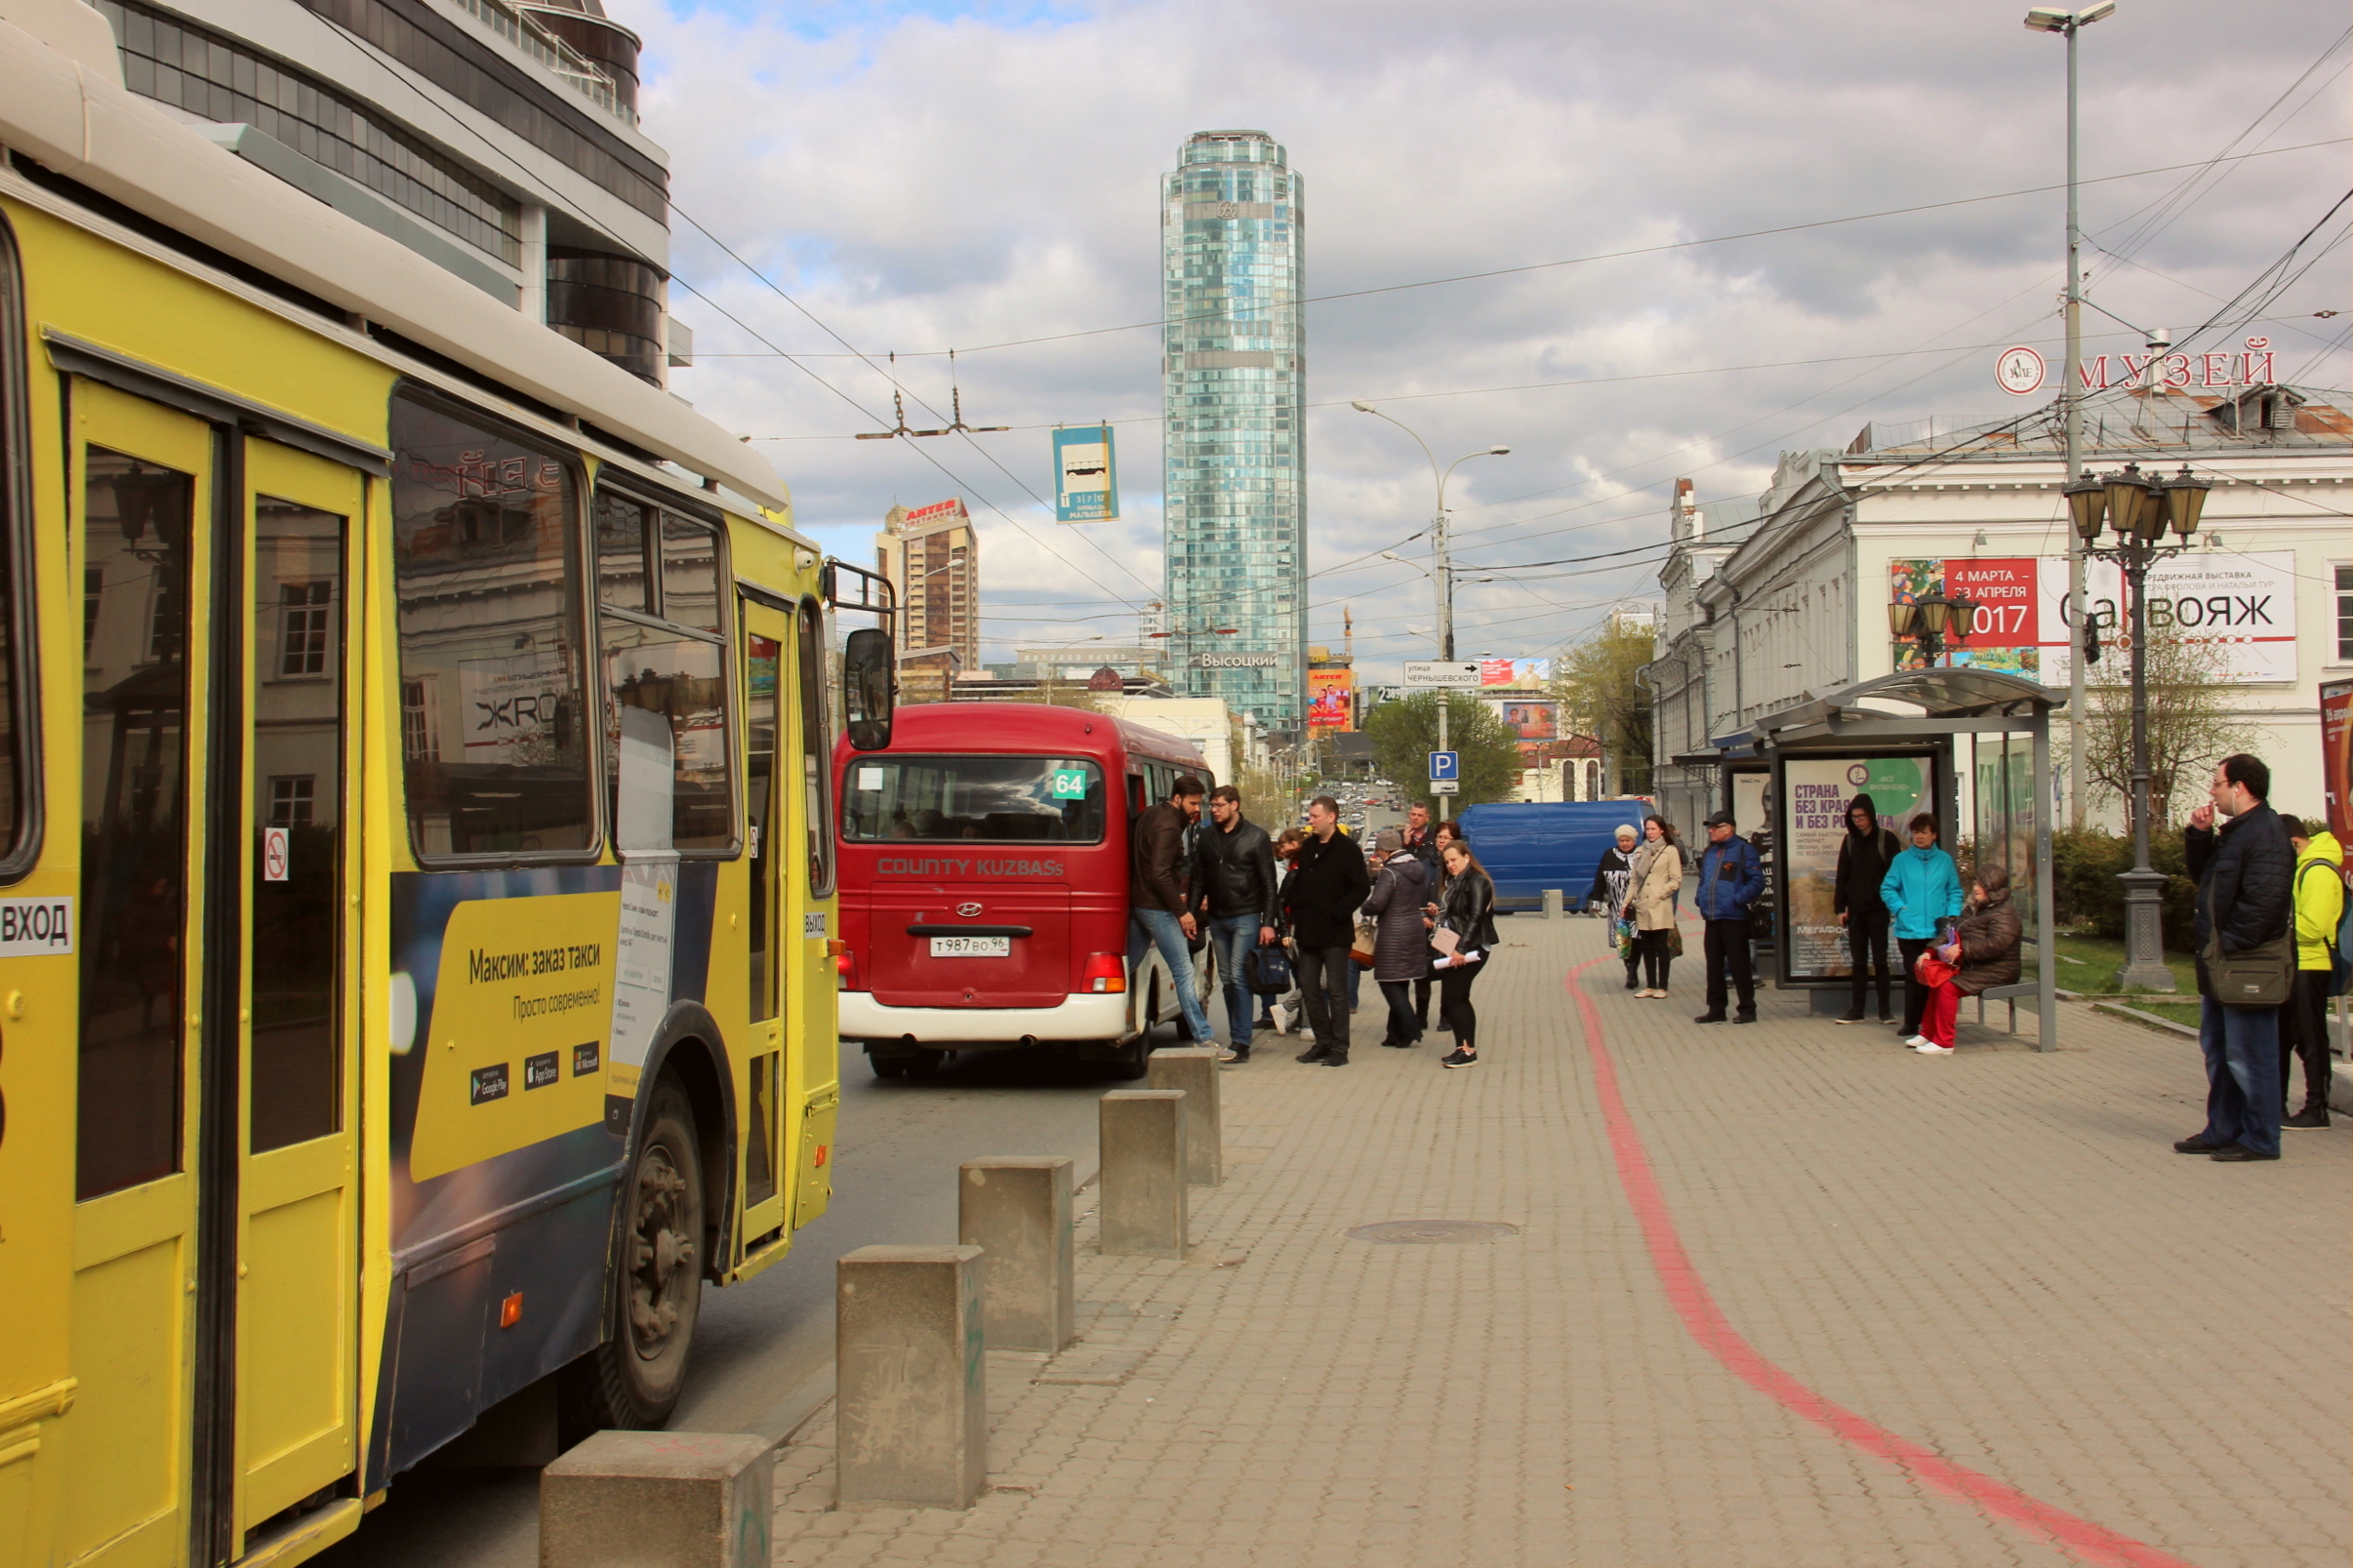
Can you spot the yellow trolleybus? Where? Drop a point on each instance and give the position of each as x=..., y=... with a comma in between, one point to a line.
x=414, y=872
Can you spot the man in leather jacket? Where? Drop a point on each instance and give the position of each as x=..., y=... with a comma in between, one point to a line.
x=1328, y=881
x=2246, y=869
x=1233, y=883
x=1159, y=916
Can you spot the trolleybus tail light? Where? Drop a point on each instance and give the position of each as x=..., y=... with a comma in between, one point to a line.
x=1106, y=972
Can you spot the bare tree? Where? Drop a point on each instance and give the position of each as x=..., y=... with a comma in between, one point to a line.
x=2192, y=723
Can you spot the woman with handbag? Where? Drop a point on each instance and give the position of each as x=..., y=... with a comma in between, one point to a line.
x=1464, y=937
x=1283, y=1011
x=1983, y=954
x=1655, y=880
x=1610, y=886
x=1401, y=953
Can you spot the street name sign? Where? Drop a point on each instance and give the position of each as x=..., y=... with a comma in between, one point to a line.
x=1433, y=676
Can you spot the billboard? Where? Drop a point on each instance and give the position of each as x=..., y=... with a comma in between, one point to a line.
x=1815, y=794
x=1331, y=700
x=1532, y=720
x=1086, y=475
x=1515, y=672
x=2337, y=754
x=2241, y=607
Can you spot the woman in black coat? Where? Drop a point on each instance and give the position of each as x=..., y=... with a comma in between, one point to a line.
x=1400, y=948
x=1466, y=916
x=1613, y=881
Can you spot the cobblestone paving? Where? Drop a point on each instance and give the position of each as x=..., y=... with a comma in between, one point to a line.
x=1993, y=1255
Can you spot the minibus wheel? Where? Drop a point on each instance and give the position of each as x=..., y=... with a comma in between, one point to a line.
x=633, y=1379
x=887, y=1066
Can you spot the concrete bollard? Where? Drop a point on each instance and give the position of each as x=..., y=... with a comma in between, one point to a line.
x=1193, y=1070
x=1552, y=904
x=624, y=1499
x=1018, y=1211
x=912, y=1418
x=1143, y=1179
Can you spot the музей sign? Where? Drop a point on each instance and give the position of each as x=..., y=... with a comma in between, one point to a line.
x=2020, y=370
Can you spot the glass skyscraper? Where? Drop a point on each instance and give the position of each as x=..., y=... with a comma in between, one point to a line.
x=1234, y=444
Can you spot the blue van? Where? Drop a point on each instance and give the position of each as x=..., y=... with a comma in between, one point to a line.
x=1556, y=844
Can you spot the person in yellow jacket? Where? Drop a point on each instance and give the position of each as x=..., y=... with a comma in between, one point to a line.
x=2320, y=903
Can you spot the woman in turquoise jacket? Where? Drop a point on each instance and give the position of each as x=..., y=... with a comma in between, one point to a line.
x=1922, y=886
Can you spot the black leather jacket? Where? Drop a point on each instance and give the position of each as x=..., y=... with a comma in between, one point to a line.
x=1233, y=871
x=2245, y=866
x=1469, y=911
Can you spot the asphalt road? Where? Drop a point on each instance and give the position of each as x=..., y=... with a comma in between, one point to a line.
x=758, y=1343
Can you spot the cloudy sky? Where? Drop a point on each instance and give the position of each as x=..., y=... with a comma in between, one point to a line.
x=927, y=176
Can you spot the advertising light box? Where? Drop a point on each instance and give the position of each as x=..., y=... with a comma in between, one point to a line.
x=1812, y=797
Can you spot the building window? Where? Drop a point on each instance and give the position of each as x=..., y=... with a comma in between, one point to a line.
x=2344, y=613
x=291, y=798
x=163, y=621
x=418, y=739
x=223, y=80
x=303, y=628
x=94, y=593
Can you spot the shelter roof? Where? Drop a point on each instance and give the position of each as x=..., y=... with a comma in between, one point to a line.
x=1940, y=693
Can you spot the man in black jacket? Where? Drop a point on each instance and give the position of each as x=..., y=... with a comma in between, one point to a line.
x=1328, y=882
x=1158, y=916
x=1234, y=880
x=2245, y=872
x=1863, y=858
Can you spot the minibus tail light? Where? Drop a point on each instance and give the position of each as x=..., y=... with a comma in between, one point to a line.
x=1106, y=972
x=845, y=965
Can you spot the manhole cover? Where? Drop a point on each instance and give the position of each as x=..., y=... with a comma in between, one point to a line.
x=1433, y=1232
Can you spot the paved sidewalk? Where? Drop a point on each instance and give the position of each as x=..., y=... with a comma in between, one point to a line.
x=1990, y=1260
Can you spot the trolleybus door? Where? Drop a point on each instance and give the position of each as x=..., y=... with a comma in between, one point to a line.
x=768, y=856
x=298, y=1219
x=142, y=480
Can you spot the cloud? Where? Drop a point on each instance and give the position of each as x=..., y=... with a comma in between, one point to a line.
x=927, y=176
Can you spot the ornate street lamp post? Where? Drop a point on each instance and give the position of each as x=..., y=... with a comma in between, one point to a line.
x=1933, y=621
x=2141, y=509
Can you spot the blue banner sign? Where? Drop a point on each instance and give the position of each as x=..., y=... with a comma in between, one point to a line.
x=1086, y=475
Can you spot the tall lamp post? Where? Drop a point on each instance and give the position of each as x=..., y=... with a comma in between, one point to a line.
x=1441, y=569
x=2067, y=24
x=2139, y=507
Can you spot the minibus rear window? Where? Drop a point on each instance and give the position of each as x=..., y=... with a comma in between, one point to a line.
x=945, y=800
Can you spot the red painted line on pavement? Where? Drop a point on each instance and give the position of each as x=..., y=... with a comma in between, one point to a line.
x=1706, y=1323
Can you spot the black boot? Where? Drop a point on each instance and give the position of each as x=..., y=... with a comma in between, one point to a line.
x=1337, y=1059
x=1315, y=1053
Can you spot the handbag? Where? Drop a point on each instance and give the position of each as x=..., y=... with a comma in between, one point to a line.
x=1933, y=971
x=2258, y=977
x=1361, y=949
x=1675, y=942
x=1267, y=970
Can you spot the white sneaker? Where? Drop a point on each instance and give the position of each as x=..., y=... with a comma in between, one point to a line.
x=1932, y=1048
x=1917, y=1041
x=1282, y=1018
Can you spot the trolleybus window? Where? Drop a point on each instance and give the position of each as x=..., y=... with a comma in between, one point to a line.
x=14, y=775
x=992, y=799
x=663, y=653
x=136, y=517
x=816, y=744
x=487, y=574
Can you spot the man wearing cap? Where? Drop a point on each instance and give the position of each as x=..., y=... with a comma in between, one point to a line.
x=1732, y=879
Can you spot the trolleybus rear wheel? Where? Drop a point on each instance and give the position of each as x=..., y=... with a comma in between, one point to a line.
x=633, y=1379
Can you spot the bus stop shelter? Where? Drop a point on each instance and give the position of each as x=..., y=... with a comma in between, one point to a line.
x=1898, y=738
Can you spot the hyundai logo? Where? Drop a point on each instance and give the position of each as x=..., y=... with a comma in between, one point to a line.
x=968, y=910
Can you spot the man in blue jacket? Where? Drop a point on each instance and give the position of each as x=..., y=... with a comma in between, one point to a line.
x=1732, y=879
x=1920, y=889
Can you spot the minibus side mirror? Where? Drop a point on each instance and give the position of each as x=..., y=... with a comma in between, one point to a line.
x=869, y=685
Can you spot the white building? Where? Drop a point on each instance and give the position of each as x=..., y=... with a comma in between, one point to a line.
x=1206, y=721
x=1766, y=604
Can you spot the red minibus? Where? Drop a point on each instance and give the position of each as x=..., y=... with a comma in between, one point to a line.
x=983, y=871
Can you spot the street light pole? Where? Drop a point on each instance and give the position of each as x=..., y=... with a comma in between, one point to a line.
x=1442, y=567
x=2071, y=411
x=2141, y=509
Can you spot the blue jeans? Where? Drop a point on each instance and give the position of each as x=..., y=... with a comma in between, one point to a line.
x=1232, y=936
x=1147, y=929
x=2242, y=1046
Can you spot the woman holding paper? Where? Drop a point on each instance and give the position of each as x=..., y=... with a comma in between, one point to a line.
x=1464, y=936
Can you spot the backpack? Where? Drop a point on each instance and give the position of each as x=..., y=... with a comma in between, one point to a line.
x=1268, y=971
